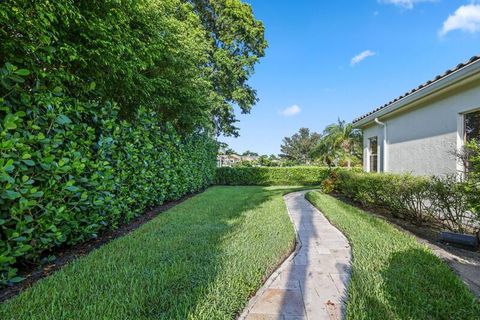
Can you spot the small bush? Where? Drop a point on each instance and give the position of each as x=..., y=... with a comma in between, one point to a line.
x=449, y=203
x=270, y=176
x=328, y=185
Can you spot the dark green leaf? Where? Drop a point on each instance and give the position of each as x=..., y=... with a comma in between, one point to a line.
x=22, y=72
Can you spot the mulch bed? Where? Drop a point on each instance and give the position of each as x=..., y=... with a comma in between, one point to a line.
x=64, y=255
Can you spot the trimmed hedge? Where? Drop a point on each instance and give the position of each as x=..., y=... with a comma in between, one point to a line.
x=440, y=201
x=70, y=165
x=271, y=176
x=69, y=171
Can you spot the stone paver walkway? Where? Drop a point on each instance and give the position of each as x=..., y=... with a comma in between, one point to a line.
x=311, y=283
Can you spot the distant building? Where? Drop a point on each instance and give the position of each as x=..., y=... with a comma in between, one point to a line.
x=249, y=158
x=229, y=160
x=421, y=131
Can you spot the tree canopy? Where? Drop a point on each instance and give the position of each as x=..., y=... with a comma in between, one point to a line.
x=236, y=43
x=300, y=146
x=187, y=60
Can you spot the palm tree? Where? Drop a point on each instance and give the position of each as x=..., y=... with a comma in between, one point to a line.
x=340, y=142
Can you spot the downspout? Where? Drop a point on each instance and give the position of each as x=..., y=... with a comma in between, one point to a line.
x=385, y=153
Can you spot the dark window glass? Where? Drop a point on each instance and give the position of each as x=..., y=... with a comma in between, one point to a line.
x=472, y=126
x=373, y=154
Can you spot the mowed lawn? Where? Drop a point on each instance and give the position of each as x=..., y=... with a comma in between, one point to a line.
x=202, y=259
x=394, y=276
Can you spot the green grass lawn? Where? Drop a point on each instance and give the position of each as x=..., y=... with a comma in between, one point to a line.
x=202, y=259
x=394, y=276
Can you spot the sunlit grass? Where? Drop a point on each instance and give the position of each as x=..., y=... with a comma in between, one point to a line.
x=394, y=276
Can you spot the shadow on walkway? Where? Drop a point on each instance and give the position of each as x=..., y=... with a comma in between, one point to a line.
x=311, y=284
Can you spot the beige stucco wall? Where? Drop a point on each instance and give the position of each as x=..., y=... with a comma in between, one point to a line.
x=423, y=141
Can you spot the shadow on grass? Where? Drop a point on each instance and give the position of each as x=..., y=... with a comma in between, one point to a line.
x=395, y=277
x=193, y=272
x=417, y=285
x=194, y=261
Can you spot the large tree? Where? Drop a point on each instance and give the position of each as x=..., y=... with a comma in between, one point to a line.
x=236, y=43
x=340, y=142
x=300, y=146
x=188, y=60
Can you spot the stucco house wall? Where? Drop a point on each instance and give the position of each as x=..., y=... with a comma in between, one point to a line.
x=424, y=127
x=423, y=141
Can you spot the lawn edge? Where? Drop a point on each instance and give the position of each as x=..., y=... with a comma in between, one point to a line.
x=429, y=246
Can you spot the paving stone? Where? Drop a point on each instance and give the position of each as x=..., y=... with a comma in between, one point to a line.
x=341, y=281
x=312, y=283
x=280, y=301
x=283, y=281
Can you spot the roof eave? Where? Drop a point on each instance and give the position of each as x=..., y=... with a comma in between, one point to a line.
x=434, y=87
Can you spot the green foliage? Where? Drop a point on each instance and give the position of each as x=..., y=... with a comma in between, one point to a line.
x=73, y=72
x=299, y=147
x=70, y=170
x=153, y=54
x=393, y=275
x=341, y=145
x=267, y=176
x=439, y=201
x=472, y=185
x=236, y=42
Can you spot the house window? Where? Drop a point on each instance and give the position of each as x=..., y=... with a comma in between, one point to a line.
x=472, y=126
x=373, y=152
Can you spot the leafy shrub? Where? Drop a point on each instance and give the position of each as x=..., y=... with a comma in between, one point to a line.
x=265, y=176
x=187, y=60
x=441, y=201
x=69, y=171
x=449, y=203
x=328, y=184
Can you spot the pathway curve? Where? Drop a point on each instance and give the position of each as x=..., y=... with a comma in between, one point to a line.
x=311, y=283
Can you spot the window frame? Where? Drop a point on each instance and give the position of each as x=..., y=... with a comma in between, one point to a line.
x=373, y=155
x=461, y=137
x=465, y=123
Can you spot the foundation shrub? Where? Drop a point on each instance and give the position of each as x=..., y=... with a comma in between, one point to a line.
x=440, y=201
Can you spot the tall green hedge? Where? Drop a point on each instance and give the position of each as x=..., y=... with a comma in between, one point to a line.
x=69, y=171
x=104, y=112
x=266, y=176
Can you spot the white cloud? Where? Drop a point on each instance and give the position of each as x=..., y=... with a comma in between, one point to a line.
x=466, y=18
x=291, y=111
x=361, y=56
x=406, y=4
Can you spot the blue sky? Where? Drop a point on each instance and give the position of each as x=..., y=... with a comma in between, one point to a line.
x=310, y=76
